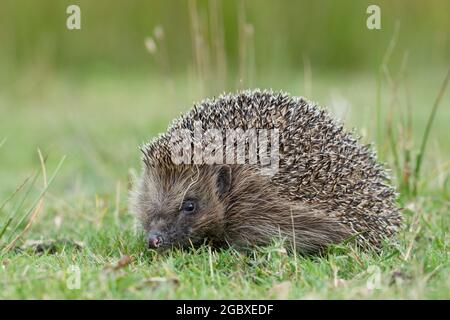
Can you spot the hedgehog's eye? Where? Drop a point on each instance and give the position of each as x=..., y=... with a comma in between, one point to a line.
x=188, y=206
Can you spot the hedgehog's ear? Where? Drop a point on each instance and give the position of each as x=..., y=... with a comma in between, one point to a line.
x=223, y=180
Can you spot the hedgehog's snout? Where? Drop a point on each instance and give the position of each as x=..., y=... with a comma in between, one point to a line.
x=154, y=240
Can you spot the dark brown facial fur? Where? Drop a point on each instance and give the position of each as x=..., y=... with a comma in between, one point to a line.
x=233, y=205
x=182, y=205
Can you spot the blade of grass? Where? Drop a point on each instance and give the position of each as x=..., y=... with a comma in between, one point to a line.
x=243, y=47
x=294, y=245
x=426, y=134
x=218, y=41
x=25, y=196
x=2, y=142
x=11, y=215
x=9, y=220
x=384, y=71
x=5, y=227
x=392, y=83
x=393, y=140
x=36, y=210
x=38, y=199
x=198, y=45
x=408, y=143
x=14, y=193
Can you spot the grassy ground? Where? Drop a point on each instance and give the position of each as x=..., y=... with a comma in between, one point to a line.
x=98, y=124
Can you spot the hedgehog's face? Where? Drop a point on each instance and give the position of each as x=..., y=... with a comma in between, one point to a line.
x=182, y=205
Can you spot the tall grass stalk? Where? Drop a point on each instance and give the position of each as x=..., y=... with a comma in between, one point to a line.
x=407, y=136
x=199, y=47
x=19, y=230
x=426, y=133
x=218, y=40
x=37, y=209
x=384, y=71
x=242, y=44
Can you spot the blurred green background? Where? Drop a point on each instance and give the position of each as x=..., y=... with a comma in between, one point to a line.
x=332, y=33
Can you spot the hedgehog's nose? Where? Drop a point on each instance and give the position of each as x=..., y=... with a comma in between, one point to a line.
x=154, y=241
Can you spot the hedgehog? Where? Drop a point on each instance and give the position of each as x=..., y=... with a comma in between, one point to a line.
x=289, y=172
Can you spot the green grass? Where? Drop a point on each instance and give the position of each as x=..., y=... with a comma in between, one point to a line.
x=99, y=122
